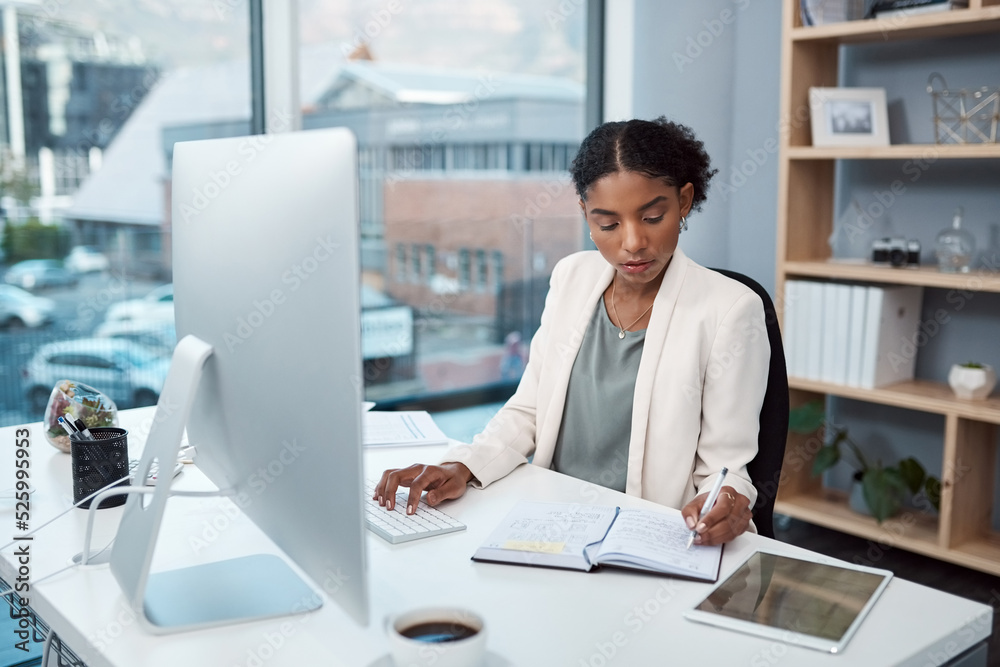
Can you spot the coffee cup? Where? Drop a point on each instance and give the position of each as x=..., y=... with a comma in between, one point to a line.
x=438, y=637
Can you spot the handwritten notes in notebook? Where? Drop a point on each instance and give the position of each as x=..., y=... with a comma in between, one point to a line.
x=582, y=537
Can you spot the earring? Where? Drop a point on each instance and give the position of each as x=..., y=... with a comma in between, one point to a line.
x=684, y=223
x=591, y=237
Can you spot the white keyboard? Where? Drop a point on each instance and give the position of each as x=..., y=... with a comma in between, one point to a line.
x=398, y=526
x=133, y=465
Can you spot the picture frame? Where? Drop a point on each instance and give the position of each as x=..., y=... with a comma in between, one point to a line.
x=848, y=117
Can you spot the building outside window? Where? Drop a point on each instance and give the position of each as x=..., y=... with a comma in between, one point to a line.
x=92, y=98
x=448, y=152
x=431, y=262
x=416, y=272
x=400, y=262
x=464, y=269
x=482, y=270
x=497, y=258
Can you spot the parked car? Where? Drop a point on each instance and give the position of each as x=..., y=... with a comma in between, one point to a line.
x=86, y=259
x=39, y=273
x=22, y=309
x=130, y=374
x=157, y=334
x=157, y=305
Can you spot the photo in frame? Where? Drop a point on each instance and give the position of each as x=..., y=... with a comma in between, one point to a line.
x=848, y=117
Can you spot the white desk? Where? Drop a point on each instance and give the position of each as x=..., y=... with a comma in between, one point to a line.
x=535, y=616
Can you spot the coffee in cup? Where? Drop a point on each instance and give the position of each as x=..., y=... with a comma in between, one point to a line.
x=438, y=636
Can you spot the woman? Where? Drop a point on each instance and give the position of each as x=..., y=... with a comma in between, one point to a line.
x=648, y=371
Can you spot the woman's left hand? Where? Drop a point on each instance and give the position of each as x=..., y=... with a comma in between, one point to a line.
x=728, y=518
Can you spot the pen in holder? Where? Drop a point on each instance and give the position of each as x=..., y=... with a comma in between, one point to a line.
x=97, y=462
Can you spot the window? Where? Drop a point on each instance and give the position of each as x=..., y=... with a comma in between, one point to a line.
x=461, y=144
x=497, y=270
x=482, y=270
x=417, y=270
x=400, y=262
x=431, y=262
x=85, y=154
x=464, y=270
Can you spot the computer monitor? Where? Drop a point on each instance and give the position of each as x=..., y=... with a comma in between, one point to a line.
x=266, y=290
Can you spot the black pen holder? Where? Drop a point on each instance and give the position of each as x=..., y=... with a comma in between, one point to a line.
x=98, y=462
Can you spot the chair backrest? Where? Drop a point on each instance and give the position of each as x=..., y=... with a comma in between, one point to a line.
x=765, y=469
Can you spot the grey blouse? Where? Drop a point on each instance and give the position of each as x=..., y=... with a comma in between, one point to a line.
x=597, y=418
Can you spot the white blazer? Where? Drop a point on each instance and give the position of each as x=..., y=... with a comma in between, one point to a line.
x=698, y=390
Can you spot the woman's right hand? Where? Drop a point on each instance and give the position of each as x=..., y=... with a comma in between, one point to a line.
x=442, y=482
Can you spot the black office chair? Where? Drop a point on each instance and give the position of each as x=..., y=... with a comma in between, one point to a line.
x=765, y=469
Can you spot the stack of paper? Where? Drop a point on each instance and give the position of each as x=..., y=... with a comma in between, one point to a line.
x=401, y=429
x=855, y=335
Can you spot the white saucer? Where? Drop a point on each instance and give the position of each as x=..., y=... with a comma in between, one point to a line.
x=491, y=659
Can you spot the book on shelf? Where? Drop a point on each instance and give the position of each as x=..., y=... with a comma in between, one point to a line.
x=790, y=330
x=892, y=319
x=585, y=537
x=838, y=332
x=851, y=334
x=855, y=348
x=814, y=325
x=896, y=8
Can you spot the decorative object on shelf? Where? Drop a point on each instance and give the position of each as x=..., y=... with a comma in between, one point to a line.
x=75, y=400
x=850, y=235
x=989, y=257
x=955, y=247
x=883, y=488
x=972, y=380
x=896, y=251
x=822, y=12
x=964, y=116
x=848, y=117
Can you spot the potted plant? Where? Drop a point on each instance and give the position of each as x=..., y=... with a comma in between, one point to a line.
x=882, y=488
x=972, y=380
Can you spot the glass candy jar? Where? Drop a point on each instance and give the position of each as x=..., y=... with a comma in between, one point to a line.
x=955, y=247
x=75, y=400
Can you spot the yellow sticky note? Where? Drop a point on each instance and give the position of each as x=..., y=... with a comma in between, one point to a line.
x=536, y=546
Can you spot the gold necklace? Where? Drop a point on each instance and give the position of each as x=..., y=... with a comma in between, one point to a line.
x=621, y=332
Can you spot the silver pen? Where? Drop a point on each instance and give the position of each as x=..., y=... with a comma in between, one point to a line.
x=709, y=502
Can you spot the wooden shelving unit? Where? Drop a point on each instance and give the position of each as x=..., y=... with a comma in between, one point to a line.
x=962, y=532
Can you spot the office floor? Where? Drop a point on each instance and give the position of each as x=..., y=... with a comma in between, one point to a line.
x=933, y=573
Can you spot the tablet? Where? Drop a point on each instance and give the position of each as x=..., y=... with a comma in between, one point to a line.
x=796, y=601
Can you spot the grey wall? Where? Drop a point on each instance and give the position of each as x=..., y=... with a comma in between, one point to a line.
x=721, y=77
x=714, y=66
x=957, y=325
x=750, y=181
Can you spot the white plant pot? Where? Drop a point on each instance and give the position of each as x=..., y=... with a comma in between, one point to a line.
x=856, y=500
x=972, y=383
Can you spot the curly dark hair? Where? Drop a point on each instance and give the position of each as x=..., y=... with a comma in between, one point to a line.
x=655, y=148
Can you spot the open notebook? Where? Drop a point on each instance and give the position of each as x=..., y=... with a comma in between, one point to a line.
x=583, y=537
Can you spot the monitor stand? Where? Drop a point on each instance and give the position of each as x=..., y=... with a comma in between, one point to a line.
x=231, y=591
